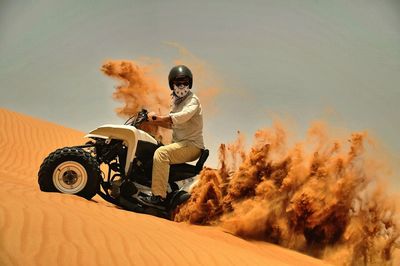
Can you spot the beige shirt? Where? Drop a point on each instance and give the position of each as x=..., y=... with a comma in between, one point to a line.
x=187, y=121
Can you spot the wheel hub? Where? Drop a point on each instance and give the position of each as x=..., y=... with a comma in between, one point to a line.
x=70, y=177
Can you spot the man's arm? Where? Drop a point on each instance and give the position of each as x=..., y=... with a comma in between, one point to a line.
x=159, y=120
x=186, y=113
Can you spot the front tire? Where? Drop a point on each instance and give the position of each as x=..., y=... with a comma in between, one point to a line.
x=70, y=170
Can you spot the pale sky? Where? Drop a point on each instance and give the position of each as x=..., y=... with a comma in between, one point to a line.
x=332, y=60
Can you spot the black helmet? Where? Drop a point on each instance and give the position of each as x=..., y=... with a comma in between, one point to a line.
x=180, y=72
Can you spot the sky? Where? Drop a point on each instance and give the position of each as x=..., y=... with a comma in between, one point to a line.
x=302, y=60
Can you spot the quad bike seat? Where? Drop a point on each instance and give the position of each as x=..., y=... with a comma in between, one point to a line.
x=184, y=170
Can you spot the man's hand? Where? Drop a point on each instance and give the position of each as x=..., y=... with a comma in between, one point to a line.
x=158, y=120
x=152, y=116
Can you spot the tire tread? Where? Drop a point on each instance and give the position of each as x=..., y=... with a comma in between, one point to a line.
x=45, y=174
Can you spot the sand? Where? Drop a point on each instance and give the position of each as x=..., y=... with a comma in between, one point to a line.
x=38, y=228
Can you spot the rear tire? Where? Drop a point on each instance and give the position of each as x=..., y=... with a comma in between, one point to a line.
x=176, y=202
x=70, y=170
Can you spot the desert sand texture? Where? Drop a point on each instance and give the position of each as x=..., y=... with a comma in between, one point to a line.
x=38, y=228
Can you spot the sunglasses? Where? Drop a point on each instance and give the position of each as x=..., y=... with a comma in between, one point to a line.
x=181, y=82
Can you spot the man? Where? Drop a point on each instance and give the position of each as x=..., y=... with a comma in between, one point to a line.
x=186, y=121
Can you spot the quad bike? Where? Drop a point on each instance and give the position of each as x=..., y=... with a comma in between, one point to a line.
x=127, y=153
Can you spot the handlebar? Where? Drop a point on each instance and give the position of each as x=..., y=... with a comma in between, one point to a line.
x=138, y=119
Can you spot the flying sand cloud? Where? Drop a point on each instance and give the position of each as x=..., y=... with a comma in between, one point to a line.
x=138, y=89
x=321, y=196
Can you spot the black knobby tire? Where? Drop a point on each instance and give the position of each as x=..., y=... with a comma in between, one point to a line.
x=178, y=199
x=79, y=159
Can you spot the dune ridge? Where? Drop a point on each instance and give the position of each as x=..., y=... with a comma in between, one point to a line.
x=38, y=228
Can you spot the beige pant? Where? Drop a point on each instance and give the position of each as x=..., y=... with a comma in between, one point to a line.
x=179, y=152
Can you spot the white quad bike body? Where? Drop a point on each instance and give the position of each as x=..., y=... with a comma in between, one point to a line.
x=129, y=135
x=128, y=154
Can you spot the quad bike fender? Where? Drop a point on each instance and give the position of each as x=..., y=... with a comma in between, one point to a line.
x=128, y=134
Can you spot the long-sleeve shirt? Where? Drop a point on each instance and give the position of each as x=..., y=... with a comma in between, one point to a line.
x=187, y=121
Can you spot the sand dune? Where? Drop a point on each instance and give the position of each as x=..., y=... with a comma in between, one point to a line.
x=38, y=228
